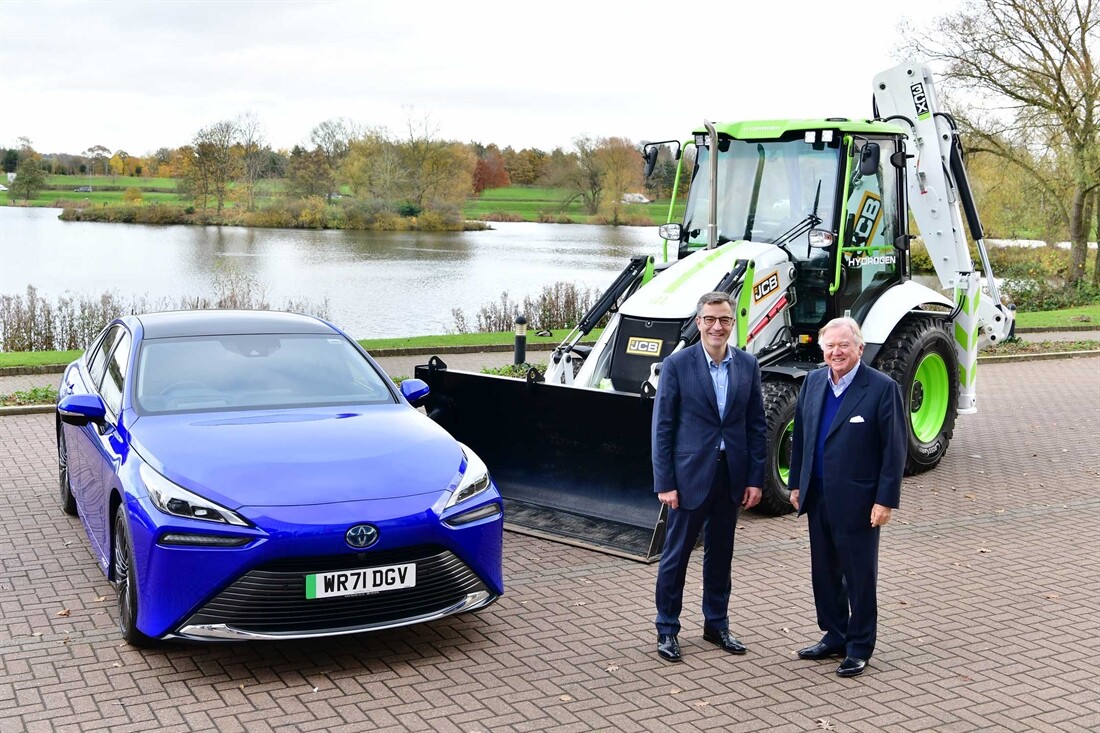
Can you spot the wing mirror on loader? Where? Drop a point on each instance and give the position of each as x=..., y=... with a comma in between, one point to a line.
x=869, y=159
x=651, y=160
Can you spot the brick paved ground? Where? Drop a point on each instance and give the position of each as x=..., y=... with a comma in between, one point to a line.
x=989, y=595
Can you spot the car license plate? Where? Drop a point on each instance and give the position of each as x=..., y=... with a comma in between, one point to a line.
x=356, y=582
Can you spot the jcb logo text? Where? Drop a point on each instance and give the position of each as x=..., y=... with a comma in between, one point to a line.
x=643, y=347
x=765, y=287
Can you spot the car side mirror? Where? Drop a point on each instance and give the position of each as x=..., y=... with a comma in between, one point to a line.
x=415, y=391
x=81, y=409
x=671, y=232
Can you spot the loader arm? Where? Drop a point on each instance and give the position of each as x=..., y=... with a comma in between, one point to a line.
x=937, y=188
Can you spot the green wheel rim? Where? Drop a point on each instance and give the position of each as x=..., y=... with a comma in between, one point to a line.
x=783, y=454
x=928, y=397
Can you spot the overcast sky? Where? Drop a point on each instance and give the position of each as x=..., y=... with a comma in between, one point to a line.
x=138, y=75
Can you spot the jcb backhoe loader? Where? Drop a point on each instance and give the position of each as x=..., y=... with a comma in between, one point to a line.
x=801, y=221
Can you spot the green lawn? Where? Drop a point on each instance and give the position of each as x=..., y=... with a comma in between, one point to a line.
x=46, y=198
x=532, y=203
x=71, y=182
x=1086, y=315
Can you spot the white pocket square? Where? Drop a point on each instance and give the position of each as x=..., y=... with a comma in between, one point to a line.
x=857, y=418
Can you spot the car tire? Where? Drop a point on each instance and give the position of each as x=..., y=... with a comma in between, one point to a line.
x=125, y=581
x=68, y=501
x=780, y=399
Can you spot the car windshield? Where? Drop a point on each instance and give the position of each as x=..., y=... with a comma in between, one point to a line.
x=254, y=372
x=767, y=191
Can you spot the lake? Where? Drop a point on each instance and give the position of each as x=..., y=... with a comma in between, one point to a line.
x=377, y=284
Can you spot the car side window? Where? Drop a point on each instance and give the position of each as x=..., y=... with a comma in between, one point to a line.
x=114, y=379
x=97, y=365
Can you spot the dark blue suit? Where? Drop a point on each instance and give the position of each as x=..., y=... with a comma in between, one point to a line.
x=862, y=465
x=687, y=432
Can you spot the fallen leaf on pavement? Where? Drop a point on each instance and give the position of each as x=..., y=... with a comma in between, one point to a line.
x=63, y=612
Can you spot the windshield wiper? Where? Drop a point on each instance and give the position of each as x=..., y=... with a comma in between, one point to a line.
x=810, y=221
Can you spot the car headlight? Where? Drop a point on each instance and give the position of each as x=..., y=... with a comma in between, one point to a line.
x=179, y=502
x=475, y=479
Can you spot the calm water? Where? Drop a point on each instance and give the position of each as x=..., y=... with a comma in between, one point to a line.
x=378, y=284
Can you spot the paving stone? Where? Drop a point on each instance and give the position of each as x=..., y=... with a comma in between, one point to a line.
x=989, y=615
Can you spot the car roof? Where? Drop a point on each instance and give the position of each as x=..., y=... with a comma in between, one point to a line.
x=173, y=324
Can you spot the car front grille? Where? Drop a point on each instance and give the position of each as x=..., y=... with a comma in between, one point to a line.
x=271, y=599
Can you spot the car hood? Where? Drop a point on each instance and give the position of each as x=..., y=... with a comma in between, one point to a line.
x=300, y=456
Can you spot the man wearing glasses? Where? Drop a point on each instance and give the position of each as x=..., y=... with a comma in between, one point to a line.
x=709, y=445
x=847, y=459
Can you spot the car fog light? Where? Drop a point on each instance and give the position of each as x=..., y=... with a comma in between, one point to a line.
x=473, y=515
x=202, y=540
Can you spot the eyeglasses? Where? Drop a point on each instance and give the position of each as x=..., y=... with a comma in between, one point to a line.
x=726, y=321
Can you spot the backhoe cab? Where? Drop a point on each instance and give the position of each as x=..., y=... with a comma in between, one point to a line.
x=800, y=221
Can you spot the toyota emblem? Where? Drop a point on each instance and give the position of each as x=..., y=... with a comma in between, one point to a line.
x=361, y=536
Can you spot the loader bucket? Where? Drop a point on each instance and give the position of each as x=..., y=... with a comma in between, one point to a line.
x=572, y=464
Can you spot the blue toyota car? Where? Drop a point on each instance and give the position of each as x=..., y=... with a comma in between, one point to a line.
x=256, y=475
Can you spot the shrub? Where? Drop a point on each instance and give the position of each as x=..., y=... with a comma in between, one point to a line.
x=560, y=305
x=501, y=216
x=31, y=323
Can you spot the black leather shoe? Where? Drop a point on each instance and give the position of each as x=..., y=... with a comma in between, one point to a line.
x=724, y=640
x=851, y=667
x=668, y=648
x=820, y=650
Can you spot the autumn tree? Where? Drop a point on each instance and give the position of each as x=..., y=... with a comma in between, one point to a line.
x=333, y=139
x=253, y=157
x=98, y=157
x=373, y=168
x=1031, y=65
x=309, y=173
x=440, y=173
x=215, y=163
x=118, y=163
x=620, y=166
x=581, y=174
x=525, y=167
x=29, y=178
x=490, y=172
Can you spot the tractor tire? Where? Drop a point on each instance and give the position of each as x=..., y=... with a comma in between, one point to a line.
x=920, y=356
x=780, y=398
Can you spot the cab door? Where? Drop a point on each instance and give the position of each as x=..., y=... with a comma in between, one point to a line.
x=869, y=260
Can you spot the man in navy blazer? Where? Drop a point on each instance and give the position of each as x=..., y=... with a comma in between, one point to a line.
x=847, y=460
x=709, y=444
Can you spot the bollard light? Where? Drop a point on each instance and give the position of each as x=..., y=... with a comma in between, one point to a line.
x=521, y=340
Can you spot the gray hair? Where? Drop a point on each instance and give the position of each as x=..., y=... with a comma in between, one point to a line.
x=846, y=322
x=713, y=298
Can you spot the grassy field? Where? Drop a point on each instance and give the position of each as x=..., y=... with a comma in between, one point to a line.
x=520, y=203
x=1086, y=315
x=123, y=182
x=103, y=198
